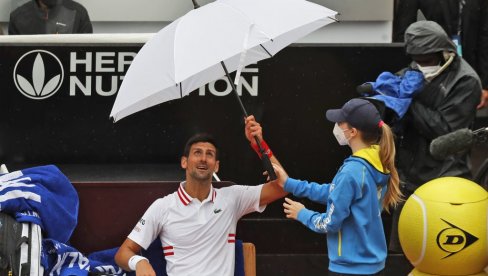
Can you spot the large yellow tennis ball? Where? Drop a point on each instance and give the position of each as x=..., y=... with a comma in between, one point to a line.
x=443, y=227
x=415, y=272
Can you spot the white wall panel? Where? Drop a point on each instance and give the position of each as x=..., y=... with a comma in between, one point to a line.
x=362, y=21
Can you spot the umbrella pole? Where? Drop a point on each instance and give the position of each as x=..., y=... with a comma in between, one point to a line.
x=265, y=159
x=234, y=89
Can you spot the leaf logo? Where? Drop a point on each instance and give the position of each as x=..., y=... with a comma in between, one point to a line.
x=38, y=74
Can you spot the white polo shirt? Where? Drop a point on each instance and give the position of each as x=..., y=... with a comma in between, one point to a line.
x=198, y=238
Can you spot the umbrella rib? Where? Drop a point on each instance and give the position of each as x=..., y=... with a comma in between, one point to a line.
x=270, y=55
x=334, y=19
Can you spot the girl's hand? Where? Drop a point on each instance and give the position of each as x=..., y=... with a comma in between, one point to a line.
x=281, y=175
x=292, y=208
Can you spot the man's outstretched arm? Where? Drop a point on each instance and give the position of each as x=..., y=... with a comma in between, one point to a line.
x=272, y=190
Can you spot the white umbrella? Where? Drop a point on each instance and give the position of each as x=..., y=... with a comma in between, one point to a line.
x=190, y=52
x=208, y=43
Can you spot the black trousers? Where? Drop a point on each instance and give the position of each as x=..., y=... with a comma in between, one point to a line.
x=342, y=274
x=394, y=244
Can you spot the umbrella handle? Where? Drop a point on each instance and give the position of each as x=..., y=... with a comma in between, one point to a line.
x=266, y=162
x=265, y=159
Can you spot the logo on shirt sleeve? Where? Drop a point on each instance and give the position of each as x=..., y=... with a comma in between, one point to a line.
x=142, y=221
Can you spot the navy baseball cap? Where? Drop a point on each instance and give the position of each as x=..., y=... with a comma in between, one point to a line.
x=359, y=113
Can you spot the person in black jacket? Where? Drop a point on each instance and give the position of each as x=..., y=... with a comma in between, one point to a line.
x=463, y=20
x=50, y=17
x=447, y=102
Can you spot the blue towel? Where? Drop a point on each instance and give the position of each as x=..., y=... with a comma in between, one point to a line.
x=41, y=195
x=397, y=91
x=103, y=262
x=59, y=259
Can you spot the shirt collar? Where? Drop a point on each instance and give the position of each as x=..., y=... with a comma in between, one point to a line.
x=186, y=198
x=372, y=155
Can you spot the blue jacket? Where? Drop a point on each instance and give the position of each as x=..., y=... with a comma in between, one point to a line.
x=355, y=237
x=397, y=91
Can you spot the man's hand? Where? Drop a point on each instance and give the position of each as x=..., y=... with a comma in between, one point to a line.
x=252, y=129
x=144, y=268
x=292, y=208
x=484, y=99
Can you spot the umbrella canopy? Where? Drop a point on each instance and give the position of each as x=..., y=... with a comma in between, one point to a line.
x=190, y=52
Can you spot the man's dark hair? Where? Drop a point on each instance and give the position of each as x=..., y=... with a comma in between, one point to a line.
x=201, y=137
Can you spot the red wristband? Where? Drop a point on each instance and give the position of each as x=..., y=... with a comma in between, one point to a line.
x=265, y=148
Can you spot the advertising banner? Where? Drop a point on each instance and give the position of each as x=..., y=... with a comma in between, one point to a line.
x=56, y=100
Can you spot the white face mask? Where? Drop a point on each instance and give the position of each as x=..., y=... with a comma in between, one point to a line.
x=340, y=136
x=429, y=71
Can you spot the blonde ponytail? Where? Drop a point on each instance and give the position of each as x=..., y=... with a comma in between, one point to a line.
x=387, y=156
